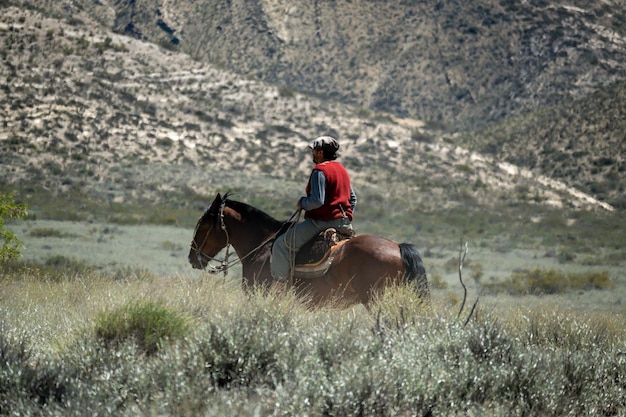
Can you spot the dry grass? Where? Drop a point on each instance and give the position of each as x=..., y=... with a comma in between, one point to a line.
x=268, y=354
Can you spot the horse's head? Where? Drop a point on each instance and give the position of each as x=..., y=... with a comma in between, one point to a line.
x=209, y=236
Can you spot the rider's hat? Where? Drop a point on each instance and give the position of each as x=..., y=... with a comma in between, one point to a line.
x=326, y=143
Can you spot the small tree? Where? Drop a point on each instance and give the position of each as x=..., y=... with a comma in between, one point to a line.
x=9, y=209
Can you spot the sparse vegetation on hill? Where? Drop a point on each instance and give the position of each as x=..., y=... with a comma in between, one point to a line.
x=94, y=102
x=555, y=68
x=586, y=149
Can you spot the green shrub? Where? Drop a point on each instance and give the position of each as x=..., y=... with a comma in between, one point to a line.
x=464, y=168
x=438, y=282
x=599, y=280
x=363, y=113
x=566, y=256
x=420, y=136
x=44, y=232
x=56, y=268
x=246, y=352
x=164, y=142
x=285, y=91
x=540, y=281
x=267, y=355
x=145, y=323
x=129, y=274
x=10, y=245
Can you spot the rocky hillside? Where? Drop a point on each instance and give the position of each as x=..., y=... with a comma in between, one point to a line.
x=536, y=83
x=85, y=109
x=440, y=61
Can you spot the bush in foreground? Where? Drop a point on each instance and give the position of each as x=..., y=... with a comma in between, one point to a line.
x=23, y=379
x=145, y=323
x=257, y=355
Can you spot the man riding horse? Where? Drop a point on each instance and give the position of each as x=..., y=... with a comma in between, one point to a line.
x=357, y=269
x=329, y=203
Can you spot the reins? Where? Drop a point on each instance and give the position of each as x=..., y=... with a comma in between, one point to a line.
x=291, y=246
x=224, y=263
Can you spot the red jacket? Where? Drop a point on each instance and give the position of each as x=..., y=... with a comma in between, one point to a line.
x=337, y=193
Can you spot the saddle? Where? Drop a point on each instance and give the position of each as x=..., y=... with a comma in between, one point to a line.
x=315, y=257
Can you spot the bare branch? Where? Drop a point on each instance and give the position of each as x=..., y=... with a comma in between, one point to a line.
x=471, y=312
x=462, y=254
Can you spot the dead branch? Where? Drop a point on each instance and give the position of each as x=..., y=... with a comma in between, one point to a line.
x=462, y=253
x=471, y=312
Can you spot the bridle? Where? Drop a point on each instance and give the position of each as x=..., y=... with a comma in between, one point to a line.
x=224, y=263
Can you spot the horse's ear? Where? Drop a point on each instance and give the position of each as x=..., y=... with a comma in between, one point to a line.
x=215, y=205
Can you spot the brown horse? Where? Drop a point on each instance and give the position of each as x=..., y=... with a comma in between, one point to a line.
x=361, y=267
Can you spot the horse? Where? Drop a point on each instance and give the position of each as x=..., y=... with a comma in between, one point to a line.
x=361, y=266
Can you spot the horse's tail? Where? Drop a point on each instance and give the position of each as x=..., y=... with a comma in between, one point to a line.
x=414, y=267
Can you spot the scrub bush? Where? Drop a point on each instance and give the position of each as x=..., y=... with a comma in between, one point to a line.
x=145, y=323
x=541, y=281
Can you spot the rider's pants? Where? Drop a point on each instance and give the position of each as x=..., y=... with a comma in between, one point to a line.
x=287, y=245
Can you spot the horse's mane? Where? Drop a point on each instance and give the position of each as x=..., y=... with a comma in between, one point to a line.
x=252, y=212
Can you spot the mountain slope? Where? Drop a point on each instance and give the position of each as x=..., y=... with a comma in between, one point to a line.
x=431, y=60
x=468, y=66
x=589, y=155
x=86, y=110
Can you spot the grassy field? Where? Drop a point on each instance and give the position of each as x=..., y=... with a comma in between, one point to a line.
x=92, y=343
x=109, y=319
x=123, y=249
x=104, y=316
